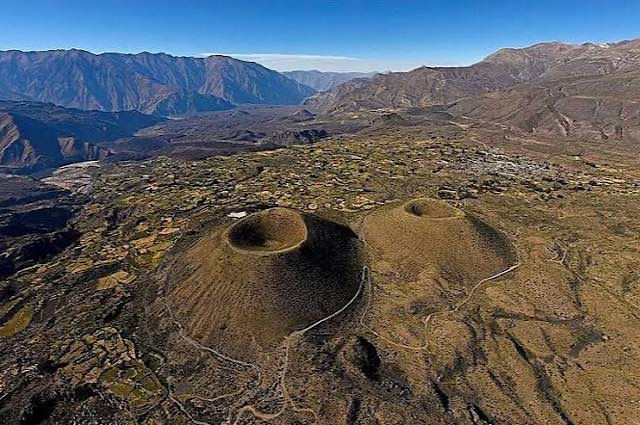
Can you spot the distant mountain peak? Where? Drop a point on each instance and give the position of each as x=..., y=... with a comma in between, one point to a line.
x=506, y=67
x=155, y=83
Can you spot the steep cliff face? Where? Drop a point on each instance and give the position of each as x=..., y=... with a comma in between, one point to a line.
x=27, y=144
x=248, y=82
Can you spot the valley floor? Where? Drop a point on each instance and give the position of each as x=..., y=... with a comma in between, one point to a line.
x=551, y=336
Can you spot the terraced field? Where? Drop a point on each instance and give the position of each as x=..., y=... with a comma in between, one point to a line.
x=461, y=279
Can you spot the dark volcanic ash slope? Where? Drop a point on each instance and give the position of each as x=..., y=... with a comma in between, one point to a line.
x=427, y=86
x=34, y=135
x=150, y=83
x=34, y=221
x=228, y=132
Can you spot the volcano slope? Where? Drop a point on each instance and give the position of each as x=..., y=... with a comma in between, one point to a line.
x=426, y=254
x=246, y=287
x=508, y=293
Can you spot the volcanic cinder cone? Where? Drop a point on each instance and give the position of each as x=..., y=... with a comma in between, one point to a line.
x=244, y=288
x=430, y=236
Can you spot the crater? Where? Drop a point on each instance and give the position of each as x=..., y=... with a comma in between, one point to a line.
x=273, y=230
x=429, y=237
x=245, y=287
x=431, y=208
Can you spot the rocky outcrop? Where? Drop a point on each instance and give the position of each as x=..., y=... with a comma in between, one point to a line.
x=294, y=137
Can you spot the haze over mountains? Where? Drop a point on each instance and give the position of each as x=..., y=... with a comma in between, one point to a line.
x=150, y=83
x=321, y=81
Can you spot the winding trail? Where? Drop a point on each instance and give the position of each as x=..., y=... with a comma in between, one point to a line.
x=183, y=409
x=288, y=341
x=216, y=353
x=196, y=344
x=213, y=399
x=365, y=285
x=427, y=319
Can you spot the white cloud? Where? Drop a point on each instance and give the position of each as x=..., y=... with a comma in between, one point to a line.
x=283, y=57
x=292, y=62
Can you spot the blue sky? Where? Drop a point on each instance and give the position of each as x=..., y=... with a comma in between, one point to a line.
x=328, y=35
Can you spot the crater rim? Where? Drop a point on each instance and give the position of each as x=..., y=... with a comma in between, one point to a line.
x=271, y=231
x=431, y=209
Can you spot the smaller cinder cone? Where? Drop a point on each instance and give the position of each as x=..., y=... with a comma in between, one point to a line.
x=430, y=235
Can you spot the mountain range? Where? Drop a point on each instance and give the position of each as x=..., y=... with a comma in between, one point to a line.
x=35, y=136
x=583, y=90
x=589, y=90
x=151, y=83
x=601, y=107
x=322, y=81
x=427, y=86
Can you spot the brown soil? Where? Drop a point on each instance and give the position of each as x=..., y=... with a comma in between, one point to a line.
x=450, y=326
x=427, y=233
x=426, y=255
x=242, y=289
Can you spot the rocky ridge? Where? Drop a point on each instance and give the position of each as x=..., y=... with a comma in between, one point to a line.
x=150, y=83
